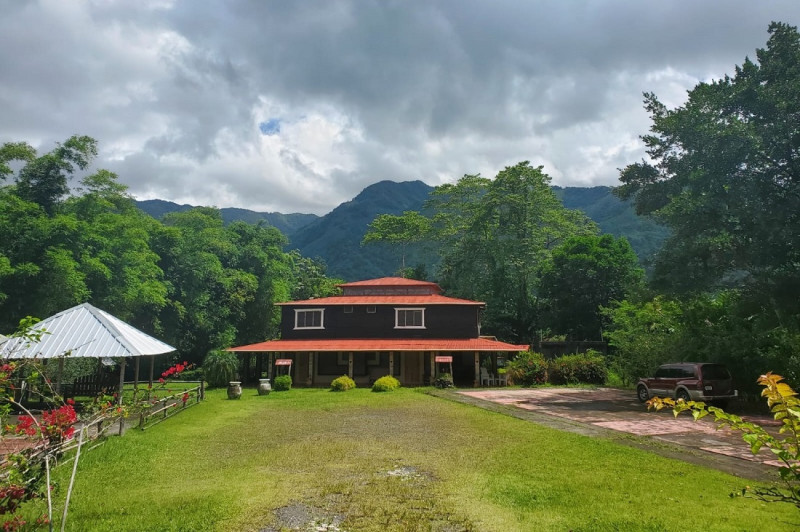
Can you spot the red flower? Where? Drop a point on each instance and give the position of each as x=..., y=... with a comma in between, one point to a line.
x=70, y=401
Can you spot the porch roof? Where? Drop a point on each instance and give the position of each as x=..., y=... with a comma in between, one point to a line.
x=379, y=344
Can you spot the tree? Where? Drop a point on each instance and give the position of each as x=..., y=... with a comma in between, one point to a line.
x=724, y=175
x=584, y=274
x=400, y=231
x=43, y=180
x=495, y=238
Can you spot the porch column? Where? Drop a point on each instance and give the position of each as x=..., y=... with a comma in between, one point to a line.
x=310, y=377
x=350, y=364
x=391, y=363
x=433, y=365
x=259, y=364
x=269, y=367
x=476, y=382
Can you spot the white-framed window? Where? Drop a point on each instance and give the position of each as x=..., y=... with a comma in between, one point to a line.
x=310, y=318
x=348, y=309
x=371, y=309
x=409, y=318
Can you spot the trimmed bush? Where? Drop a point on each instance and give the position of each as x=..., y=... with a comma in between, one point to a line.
x=588, y=368
x=282, y=383
x=220, y=367
x=386, y=384
x=527, y=369
x=342, y=384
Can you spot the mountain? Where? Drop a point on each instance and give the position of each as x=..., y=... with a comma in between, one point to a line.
x=285, y=223
x=616, y=217
x=336, y=237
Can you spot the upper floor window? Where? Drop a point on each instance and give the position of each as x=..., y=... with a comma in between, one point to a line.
x=371, y=309
x=348, y=309
x=312, y=318
x=409, y=318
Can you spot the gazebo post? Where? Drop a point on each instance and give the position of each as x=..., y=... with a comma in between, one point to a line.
x=122, y=362
x=59, y=374
x=136, y=376
x=152, y=366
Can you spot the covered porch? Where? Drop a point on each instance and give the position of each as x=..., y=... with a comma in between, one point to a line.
x=412, y=362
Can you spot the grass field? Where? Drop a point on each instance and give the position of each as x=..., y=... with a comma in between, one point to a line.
x=396, y=461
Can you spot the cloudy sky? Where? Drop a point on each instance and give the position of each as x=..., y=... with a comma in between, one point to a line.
x=297, y=106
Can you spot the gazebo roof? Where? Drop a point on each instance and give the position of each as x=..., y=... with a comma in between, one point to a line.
x=84, y=331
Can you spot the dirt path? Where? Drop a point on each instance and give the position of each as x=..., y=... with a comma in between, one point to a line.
x=617, y=415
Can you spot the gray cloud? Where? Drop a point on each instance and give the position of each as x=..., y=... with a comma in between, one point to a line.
x=364, y=90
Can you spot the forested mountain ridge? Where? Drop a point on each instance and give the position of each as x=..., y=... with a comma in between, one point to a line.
x=285, y=223
x=336, y=237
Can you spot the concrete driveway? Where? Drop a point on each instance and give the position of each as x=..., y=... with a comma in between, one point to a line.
x=617, y=414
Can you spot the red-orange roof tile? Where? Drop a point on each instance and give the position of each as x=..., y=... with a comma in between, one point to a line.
x=429, y=299
x=391, y=281
x=378, y=344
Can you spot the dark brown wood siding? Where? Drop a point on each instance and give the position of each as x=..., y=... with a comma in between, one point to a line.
x=441, y=321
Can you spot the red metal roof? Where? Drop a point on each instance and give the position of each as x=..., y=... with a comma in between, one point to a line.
x=391, y=281
x=379, y=344
x=430, y=299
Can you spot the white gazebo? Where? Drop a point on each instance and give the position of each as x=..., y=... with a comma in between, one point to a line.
x=85, y=331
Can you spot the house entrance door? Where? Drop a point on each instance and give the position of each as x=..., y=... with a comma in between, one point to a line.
x=412, y=368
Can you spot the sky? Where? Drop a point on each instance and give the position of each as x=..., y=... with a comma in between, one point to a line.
x=287, y=106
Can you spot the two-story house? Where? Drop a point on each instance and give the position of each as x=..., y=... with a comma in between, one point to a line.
x=387, y=326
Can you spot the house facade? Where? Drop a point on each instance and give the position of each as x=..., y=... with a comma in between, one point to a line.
x=387, y=326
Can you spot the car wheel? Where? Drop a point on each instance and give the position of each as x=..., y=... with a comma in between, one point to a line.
x=683, y=394
x=642, y=393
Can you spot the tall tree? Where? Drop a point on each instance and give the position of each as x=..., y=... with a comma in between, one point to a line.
x=495, y=238
x=724, y=175
x=43, y=180
x=584, y=274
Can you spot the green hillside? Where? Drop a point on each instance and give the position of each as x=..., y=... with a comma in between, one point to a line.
x=336, y=237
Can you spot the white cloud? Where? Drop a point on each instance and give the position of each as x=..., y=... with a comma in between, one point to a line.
x=175, y=91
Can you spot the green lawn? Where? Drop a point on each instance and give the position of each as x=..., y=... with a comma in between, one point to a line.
x=228, y=465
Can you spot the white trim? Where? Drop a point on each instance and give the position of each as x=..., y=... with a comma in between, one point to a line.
x=321, y=311
x=371, y=309
x=397, y=315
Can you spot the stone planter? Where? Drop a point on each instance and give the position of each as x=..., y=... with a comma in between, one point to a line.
x=264, y=387
x=234, y=390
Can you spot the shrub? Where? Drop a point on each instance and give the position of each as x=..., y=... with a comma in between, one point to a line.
x=220, y=367
x=386, y=384
x=527, y=369
x=589, y=368
x=282, y=383
x=444, y=380
x=342, y=384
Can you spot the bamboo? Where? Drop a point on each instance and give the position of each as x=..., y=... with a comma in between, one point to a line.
x=72, y=480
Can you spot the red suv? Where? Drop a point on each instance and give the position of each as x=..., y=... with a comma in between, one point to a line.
x=689, y=381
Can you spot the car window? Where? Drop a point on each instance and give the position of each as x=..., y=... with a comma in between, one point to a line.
x=662, y=373
x=687, y=373
x=715, y=372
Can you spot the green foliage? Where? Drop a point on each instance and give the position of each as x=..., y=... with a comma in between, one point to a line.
x=398, y=231
x=494, y=236
x=785, y=407
x=724, y=179
x=643, y=335
x=443, y=380
x=585, y=368
x=584, y=274
x=220, y=367
x=283, y=383
x=527, y=369
x=342, y=384
x=386, y=384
